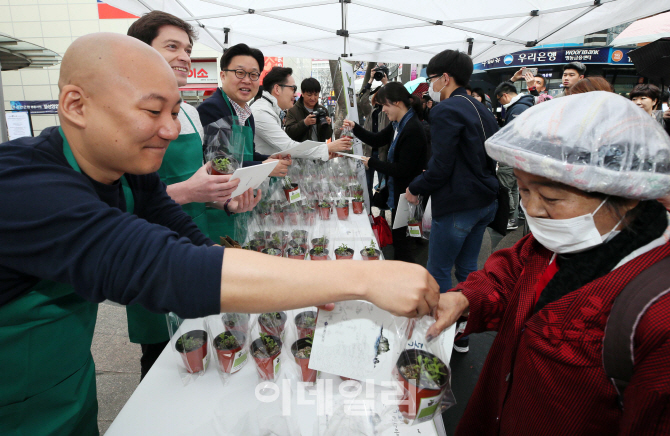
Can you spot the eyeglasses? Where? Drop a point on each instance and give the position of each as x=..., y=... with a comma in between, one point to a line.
x=428, y=79
x=241, y=74
x=293, y=87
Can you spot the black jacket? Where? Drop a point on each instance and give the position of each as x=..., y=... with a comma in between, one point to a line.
x=296, y=128
x=409, y=154
x=460, y=175
x=514, y=110
x=216, y=120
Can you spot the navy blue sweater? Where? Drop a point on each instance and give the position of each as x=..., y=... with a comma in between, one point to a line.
x=460, y=175
x=57, y=224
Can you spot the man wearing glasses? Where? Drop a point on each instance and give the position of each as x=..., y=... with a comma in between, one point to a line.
x=229, y=124
x=278, y=95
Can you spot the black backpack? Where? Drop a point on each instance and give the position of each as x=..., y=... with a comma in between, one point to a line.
x=627, y=311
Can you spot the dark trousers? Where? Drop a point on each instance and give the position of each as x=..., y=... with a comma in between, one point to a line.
x=150, y=353
x=370, y=175
x=404, y=247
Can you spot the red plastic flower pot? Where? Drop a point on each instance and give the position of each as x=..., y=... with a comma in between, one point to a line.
x=322, y=256
x=422, y=397
x=278, y=218
x=310, y=218
x=194, y=358
x=366, y=256
x=272, y=324
x=324, y=213
x=303, y=325
x=235, y=321
x=266, y=362
x=342, y=212
x=357, y=192
x=298, y=242
x=225, y=354
x=287, y=192
x=296, y=253
x=357, y=207
x=349, y=254
x=308, y=375
x=293, y=218
x=216, y=172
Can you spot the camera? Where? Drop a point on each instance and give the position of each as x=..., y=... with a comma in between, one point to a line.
x=321, y=114
x=380, y=72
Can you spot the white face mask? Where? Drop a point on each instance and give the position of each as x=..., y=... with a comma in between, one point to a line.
x=571, y=235
x=435, y=95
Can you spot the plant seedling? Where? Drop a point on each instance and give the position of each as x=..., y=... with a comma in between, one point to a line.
x=371, y=249
x=221, y=164
x=358, y=198
x=318, y=250
x=324, y=204
x=342, y=249
x=412, y=221
x=341, y=203
x=269, y=343
x=274, y=251
x=189, y=343
x=287, y=183
x=229, y=341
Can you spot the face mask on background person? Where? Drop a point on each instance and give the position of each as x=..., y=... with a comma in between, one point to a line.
x=571, y=235
x=435, y=95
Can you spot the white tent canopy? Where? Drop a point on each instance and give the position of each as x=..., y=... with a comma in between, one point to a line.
x=646, y=30
x=399, y=31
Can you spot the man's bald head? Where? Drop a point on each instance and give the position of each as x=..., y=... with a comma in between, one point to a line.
x=104, y=61
x=118, y=105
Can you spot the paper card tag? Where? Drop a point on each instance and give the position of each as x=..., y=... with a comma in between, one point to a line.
x=205, y=361
x=294, y=196
x=414, y=231
x=427, y=408
x=276, y=365
x=239, y=361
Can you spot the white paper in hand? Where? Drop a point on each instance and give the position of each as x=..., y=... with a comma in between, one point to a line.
x=252, y=177
x=353, y=156
x=300, y=148
x=358, y=340
x=401, y=213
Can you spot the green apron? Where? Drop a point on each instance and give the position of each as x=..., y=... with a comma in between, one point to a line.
x=219, y=223
x=182, y=159
x=48, y=385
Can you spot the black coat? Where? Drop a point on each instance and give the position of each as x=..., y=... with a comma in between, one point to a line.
x=525, y=102
x=460, y=175
x=409, y=154
x=296, y=128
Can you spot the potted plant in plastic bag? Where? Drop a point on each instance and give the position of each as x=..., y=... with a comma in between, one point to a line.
x=302, y=350
x=223, y=165
x=318, y=253
x=272, y=251
x=357, y=189
x=266, y=351
x=272, y=323
x=236, y=321
x=257, y=244
x=305, y=323
x=193, y=349
x=370, y=252
x=342, y=209
x=228, y=345
x=414, y=227
x=324, y=210
x=344, y=252
x=424, y=378
x=320, y=242
x=291, y=190
x=297, y=252
x=357, y=204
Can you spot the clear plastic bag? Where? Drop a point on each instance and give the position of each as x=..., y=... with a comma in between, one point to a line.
x=229, y=333
x=427, y=220
x=425, y=377
x=189, y=342
x=415, y=220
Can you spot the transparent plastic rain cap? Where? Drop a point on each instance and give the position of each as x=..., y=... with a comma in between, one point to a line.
x=596, y=141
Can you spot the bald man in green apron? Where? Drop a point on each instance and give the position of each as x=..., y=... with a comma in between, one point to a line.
x=86, y=218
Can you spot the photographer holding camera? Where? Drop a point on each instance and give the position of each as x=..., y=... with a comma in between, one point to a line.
x=278, y=94
x=307, y=119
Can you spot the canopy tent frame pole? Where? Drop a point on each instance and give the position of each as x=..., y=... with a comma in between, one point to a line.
x=242, y=11
x=4, y=135
x=595, y=5
x=202, y=26
x=523, y=23
x=278, y=42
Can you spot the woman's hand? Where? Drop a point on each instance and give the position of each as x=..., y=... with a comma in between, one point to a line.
x=411, y=197
x=452, y=306
x=342, y=144
x=348, y=123
x=365, y=160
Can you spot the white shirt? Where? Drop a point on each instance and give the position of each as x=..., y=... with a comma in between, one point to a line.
x=270, y=138
x=186, y=127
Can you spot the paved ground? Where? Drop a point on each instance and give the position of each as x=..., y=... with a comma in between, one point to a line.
x=117, y=361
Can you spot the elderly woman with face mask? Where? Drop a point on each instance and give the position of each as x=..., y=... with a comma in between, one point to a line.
x=589, y=167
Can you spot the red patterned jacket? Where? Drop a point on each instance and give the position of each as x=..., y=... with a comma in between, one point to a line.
x=544, y=373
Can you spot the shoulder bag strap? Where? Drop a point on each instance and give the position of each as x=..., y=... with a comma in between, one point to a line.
x=628, y=308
